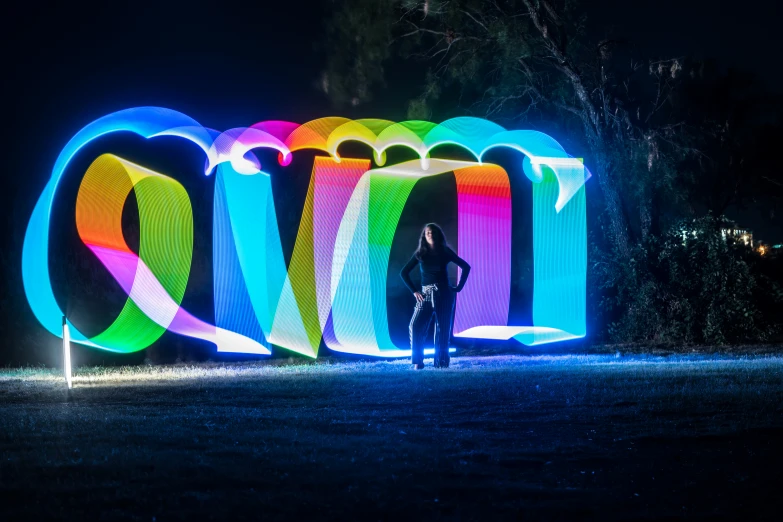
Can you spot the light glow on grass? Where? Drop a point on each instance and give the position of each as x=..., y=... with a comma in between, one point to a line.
x=542, y=365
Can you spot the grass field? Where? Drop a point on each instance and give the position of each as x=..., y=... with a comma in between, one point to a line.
x=492, y=438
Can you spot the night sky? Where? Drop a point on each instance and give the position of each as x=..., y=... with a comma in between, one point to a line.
x=233, y=63
x=741, y=35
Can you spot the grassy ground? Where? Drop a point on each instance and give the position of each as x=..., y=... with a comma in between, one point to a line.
x=494, y=438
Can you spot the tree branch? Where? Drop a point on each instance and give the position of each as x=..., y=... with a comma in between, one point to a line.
x=564, y=65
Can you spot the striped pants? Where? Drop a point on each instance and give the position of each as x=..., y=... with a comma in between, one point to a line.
x=438, y=303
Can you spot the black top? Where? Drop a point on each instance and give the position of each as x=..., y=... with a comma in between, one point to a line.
x=433, y=269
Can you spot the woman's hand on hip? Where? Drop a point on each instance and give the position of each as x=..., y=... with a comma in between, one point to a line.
x=419, y=297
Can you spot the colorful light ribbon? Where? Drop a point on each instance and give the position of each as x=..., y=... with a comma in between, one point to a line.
x=334, y=289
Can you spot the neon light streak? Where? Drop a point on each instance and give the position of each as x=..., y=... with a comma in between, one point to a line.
x=334, y=289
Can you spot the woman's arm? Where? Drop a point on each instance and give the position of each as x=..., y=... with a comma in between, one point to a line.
x=405, y=274
x=465, y=270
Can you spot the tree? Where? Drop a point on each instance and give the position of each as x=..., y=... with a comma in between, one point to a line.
x=522, y=60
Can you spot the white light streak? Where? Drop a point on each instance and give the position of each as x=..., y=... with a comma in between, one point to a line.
x=67, y=354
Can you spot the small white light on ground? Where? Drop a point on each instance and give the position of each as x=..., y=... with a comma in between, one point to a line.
x=67, y=354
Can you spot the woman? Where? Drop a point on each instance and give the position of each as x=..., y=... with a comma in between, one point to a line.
x=436, y=297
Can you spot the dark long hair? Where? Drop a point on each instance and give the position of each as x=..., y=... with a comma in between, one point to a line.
x=438, y=237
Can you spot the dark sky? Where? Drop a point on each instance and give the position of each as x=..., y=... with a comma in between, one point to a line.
x=225, y=64
x=233, y=63
x=744, y=35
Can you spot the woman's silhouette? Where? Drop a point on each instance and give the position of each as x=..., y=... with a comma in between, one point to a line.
x=436, y=297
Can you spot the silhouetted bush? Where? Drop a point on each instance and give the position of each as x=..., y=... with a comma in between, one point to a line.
x=691, y=285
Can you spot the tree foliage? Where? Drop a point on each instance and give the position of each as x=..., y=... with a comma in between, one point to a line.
x=691, y=285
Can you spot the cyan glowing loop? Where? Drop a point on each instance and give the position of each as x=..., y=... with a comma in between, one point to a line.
x=144, y=121
x=334, y=289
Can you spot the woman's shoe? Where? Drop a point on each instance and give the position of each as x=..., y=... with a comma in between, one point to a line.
x=418, y=366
